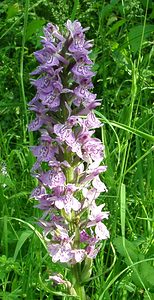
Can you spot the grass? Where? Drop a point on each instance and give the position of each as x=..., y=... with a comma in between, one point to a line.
x=123, y=56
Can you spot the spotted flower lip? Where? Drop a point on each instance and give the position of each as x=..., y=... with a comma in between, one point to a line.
x=68, y=156
x=36, y=124
x=43, y=152
x=82, y=70
x=53, y=178
x=46, y=57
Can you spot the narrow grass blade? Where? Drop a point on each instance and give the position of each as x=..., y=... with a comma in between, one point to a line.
x=24, y=236
x=133, y=130
x=75, y=7
x=123, y=208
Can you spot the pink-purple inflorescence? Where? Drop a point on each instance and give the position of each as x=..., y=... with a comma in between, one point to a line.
x=68, y=157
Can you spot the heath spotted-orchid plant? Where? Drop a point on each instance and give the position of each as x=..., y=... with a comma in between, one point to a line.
x=68, y=157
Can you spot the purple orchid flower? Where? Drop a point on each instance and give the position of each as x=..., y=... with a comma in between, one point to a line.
x=68, y=157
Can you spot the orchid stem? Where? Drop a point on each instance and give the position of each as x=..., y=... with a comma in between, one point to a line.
x=77, y=286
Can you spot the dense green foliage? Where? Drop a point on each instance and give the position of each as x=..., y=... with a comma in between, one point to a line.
x=123, y=51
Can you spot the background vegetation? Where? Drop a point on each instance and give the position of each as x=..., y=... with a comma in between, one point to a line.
x=123, y=51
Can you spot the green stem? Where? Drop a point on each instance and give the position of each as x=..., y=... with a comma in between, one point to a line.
x=77, y=286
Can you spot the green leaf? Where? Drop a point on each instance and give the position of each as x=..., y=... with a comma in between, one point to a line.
x=87, y=270
x=34, y=230
x=130, y=247
x=12, y=10
x=116, y=26
x=24, y=236
x=135, y=35
x=140, y=274
x=147, y=274
x=34, y=26
x=144, y=276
